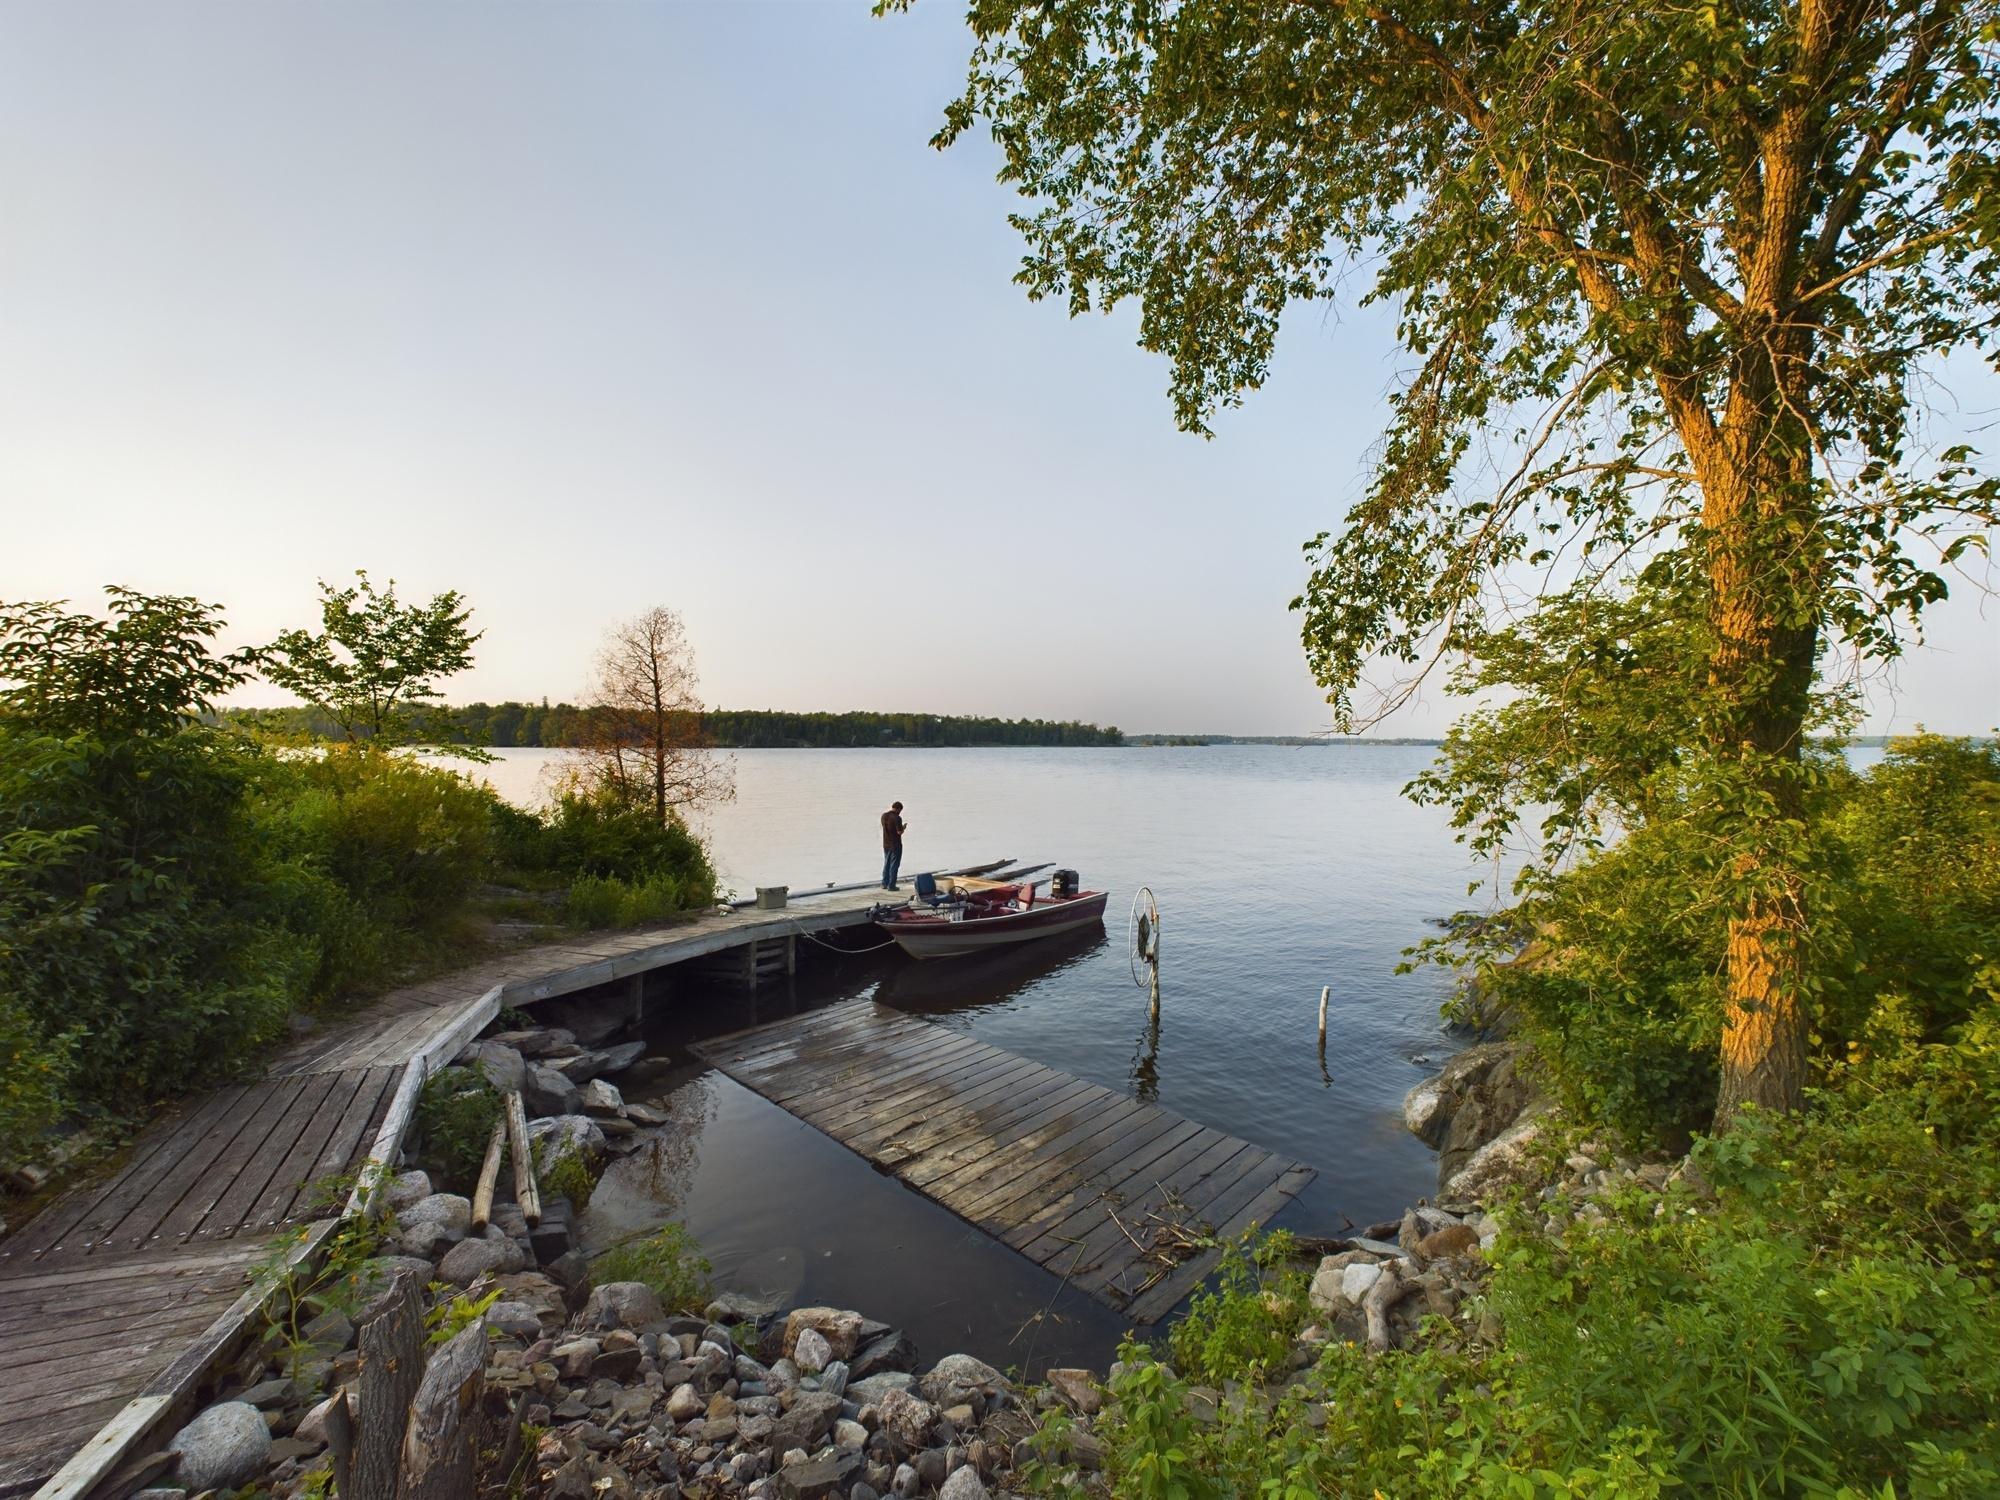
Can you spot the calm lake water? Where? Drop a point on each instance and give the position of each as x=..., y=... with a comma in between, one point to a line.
x=1277, y=870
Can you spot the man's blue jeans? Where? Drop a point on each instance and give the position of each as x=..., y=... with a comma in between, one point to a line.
x=892, y=860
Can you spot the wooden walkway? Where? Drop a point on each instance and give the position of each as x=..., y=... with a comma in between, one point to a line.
x=118, y=1298
x=1091, y=1184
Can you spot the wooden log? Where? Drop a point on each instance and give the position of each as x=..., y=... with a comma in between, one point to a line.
x=525, y=1192
x=438, y=1443
x=392, y=1364
x=489, y=1175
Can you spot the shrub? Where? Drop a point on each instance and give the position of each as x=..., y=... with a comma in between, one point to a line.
x=666, y=1260
x=456, y=1110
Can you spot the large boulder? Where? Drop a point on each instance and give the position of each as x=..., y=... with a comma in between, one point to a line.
x=956, y=1377
x=404, y=1189
x=549, y=1041
x=841, y=1330
x=468, y=1260
x=550, y=1140
x=1479, y=1095
x=499, y=1064
x=224, y=1448
x=592, y=1020
x=805, y=1423
x=622, y=1304
x=544, y=1091
x=1502, y=1162
x=599, y=1061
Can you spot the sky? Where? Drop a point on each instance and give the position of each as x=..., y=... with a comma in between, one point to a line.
x=583, y=308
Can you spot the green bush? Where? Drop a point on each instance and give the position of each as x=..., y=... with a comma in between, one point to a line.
x=667, y=1260
x=456, y=1111
x=1822, y=1328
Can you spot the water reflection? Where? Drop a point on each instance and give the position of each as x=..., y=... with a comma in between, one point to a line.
x=983, y=981
x=1146, y=1062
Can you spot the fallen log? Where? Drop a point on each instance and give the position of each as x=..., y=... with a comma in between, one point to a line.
x=525, y=1192
x=489, y=1175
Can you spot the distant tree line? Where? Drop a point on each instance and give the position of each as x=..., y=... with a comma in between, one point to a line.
x=564, y=725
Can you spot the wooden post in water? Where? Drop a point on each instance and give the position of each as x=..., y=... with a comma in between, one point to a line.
x=1155, y=1006
x=1324, y=991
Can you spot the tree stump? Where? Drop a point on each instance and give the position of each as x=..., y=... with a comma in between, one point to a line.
x=438, y=1443
x=391, y=1340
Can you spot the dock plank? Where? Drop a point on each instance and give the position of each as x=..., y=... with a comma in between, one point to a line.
x=1062, y=1170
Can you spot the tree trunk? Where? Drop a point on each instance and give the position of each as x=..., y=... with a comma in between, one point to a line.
x=437, y=1446
x=392, y=1363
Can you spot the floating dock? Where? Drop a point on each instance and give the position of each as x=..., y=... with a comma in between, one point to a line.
x=1124, y=1200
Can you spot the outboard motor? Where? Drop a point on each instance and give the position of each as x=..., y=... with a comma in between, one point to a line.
x=1064, y=883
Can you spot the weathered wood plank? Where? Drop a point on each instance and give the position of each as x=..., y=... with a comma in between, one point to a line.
x=1047, y=1162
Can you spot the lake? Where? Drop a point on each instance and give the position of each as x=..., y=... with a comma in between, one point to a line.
x=1277, y=869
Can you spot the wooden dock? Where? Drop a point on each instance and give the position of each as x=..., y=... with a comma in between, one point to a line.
x=118, y=1300
x=1110, y=1194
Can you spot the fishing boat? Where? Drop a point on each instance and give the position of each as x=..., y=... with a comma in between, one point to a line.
x=965, y=914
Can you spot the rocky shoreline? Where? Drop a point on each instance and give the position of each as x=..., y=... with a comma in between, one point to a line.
x=606, y=1392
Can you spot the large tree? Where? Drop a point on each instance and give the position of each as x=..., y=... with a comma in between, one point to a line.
x=1671, y=278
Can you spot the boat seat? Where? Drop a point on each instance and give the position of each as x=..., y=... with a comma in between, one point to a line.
x=1025, y=894
x=927, y=891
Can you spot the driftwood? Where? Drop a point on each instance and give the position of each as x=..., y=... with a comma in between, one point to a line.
x=392, y=1363
x=438, y=1443
x=489, y=1175
x=1389, y=1289
x=525, y=1192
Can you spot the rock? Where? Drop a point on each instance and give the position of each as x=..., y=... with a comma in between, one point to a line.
x=848, y=1433
x=447, y=1211
x=223, y=1448
x=591, y=1021
x=870, y=1390
x=955, y=1376
x=737, y=1307
x=1357, y=1280
x=588, y=1065
x=906, y=1418
x=841, y=1330
x=469, y=1260
x=622, y=1304
x=1078, y=1390
x=1502, y=1161
x=312, y=1426
x=806, y=1423
x=685, y=1404
x=892, y=1351
x=330, y=1331
x=818, y=1476
x=569, y=1270
x=811, y=1353
x=601, y=1098
x=1479, y=1095
x=962, y=1484
x=905, y=1482
x=1453, y=1239
x=547, y=1092
x=833, y=1379
x=546, y=1042
x=553, y=1137
x=404, y=1189
x=498, y=1063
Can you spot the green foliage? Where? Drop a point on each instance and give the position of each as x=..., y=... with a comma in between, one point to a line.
x=448, y=1318
x=374, y=660
x=569, y=1176
x=456, y=1110
x=1821, y=1329
x=623, y=866
x=1243, y=1327
x=666, y=1260
x=1609, y=964
x=339, y=1279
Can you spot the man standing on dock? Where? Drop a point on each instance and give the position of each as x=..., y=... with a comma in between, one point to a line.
x=892, y=844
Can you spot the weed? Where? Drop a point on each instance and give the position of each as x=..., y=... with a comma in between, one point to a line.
x=666, y=1260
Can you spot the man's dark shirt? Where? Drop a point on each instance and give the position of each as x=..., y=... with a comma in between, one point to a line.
x=892, y=830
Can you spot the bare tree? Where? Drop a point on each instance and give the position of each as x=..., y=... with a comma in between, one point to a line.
x=642, y=740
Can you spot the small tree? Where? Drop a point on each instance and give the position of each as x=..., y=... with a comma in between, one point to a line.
x=641, y=740
x=375, y=661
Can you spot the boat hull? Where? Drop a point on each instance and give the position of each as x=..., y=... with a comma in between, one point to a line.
x=925, y=935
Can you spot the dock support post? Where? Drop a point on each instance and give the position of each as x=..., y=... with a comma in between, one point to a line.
x=1154, y=1007
x=638, y=997
x=791, y=954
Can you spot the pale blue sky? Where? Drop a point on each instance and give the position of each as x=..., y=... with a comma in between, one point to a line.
x=581, y=308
